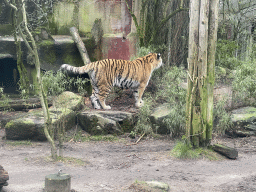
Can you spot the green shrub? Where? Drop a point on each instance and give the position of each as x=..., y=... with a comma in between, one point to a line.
x=222, y=118
x=171, y=91
x=5, y=101
x=56, y=83
x=244, y=84
x=143, y=124
x=225, y=54
x=182, y=150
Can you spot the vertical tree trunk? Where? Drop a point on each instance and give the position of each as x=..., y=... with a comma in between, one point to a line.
x=192, y=65
x=201, y=62
x=212, y=43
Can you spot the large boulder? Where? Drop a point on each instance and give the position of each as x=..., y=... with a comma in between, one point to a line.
x=106, y=122
x=4, y=177
x=69, y=100
x=244, y=121
x=158, y=116
x=31, y=125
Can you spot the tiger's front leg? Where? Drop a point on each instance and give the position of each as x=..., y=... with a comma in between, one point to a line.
x=138, y=96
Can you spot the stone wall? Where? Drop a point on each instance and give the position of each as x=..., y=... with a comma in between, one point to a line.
x=104, y=26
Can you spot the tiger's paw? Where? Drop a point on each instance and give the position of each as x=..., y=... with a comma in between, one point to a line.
x=107, y=107
x=139, y=104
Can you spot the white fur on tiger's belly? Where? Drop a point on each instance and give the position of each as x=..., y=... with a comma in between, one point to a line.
x=128, y=83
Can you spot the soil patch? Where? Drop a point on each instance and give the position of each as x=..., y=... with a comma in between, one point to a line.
x=115, y=166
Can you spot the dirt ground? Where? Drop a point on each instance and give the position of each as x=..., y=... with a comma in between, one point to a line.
x=114, y=166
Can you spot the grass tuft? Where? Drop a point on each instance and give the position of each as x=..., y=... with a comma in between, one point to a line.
x=183, y=150
x=17, y=143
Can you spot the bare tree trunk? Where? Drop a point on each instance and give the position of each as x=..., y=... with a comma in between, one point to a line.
x=201, y=62
x=212, y=43
x=192, y=65
x=42, y=95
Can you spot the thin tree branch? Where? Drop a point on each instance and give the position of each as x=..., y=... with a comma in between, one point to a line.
x=11, y=5
x=164, y=21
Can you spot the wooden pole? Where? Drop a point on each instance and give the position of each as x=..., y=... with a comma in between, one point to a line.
x=201, y=62
x=80, y=45
x=212, y=43
x=192, y=59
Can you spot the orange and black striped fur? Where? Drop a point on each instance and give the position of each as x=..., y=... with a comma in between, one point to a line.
x=108, y=73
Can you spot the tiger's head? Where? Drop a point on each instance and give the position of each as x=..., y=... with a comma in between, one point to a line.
x=155, y=60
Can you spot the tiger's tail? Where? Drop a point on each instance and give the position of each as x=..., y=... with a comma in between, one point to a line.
x=69, y=69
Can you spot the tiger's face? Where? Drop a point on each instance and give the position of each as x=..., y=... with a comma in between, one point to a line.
x=155, y=60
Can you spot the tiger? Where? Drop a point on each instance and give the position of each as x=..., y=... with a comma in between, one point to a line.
x=107, y=73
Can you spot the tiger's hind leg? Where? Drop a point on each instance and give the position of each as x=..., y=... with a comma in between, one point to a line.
x=95, y=100
x=98, y=100
x=102, y=100
x=103, y=93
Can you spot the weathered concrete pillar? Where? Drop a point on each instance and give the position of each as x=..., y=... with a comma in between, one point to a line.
x=60, y=182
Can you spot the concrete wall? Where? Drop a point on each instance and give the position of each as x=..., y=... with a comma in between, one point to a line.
x=115, y=17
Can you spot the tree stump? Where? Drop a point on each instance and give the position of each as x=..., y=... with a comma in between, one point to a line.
x=58, y=183
x=229, y=152
x=3, y=177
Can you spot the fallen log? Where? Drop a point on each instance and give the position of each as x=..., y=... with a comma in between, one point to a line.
x=21, y=104
x=229, y=152
x=80, y=45
x=4, y=177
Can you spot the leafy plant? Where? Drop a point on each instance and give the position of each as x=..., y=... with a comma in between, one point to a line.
x=225, y=54
x=171, y=92
x=222, y=119
x=56, y=83
x=5, y=101
x=143, y=124
x=244, y=84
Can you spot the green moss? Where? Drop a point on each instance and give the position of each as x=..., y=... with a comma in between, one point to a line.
x=247, y=114
x=19, y=123
x=184, y=151
x=75, y=60
x=6, y=29
x=47, y=43
x=9, y=124
x=17, y=143
x=127, y=126
x=12, y=123
x=33, y=75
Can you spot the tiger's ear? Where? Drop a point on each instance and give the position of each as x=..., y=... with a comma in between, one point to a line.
x=149, y=52
x=158, y=55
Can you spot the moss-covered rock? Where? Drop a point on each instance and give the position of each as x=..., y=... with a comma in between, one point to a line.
x=106, y=122
x=31, y=125
x=244, y=119
x=245, y=114
x=152, y=186
x=69, y=100
x=20, y=129
x=158, y=116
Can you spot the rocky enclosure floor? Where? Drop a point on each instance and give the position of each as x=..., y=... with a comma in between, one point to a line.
x=114, y=166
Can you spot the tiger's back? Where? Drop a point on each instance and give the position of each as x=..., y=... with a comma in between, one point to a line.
x=108, y=73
